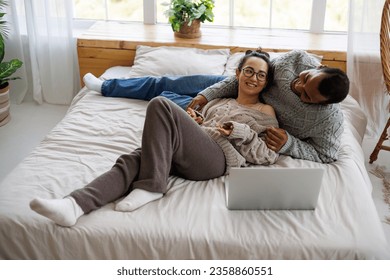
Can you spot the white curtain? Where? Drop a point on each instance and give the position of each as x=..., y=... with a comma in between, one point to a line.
x=41, y=36
x=364, y=64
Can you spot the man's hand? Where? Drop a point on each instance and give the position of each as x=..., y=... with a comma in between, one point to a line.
x=275, y=138
x=198, y=102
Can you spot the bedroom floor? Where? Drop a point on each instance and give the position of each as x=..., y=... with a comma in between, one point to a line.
x=30, y=123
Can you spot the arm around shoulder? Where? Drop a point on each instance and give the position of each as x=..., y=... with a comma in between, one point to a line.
x=227, y=88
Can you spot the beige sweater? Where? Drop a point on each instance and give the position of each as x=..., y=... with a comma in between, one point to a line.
x=245, y=144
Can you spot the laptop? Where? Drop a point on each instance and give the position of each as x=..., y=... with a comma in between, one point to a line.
x=265, y=188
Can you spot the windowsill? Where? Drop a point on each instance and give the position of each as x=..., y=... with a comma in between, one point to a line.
x=219, y=36
x=107, y=44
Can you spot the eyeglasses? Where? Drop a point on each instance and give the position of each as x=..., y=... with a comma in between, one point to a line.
x=248, y=72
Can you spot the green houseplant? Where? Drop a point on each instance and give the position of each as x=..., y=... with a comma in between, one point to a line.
x=7, y=69
x=10, y=67
x=185, y=16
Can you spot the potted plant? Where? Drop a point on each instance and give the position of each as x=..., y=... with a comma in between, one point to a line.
x=185, y=16
x=6, y=70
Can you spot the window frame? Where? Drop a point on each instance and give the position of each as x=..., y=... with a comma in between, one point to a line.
x=317, y=21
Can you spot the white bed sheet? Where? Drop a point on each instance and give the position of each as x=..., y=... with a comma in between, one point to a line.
x=191, y=221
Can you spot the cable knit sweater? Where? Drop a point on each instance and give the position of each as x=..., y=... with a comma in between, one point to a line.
x=244, y=145
x=314, y=130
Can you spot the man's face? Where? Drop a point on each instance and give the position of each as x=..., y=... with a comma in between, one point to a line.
x=306, y=86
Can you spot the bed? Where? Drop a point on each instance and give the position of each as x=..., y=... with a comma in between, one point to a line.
x=191, y=221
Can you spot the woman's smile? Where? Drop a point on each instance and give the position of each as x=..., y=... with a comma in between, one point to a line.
x=251, y=85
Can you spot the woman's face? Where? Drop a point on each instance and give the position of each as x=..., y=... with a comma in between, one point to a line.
x=252, y=78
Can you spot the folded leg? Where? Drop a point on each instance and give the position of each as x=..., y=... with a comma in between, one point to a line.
x=173, y=143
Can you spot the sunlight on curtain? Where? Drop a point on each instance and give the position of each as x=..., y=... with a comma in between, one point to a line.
x=364, y=64
x=48, y=48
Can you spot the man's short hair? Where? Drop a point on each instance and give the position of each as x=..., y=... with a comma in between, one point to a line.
x=335, y=86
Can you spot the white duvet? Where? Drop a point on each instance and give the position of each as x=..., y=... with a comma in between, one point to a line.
x=191, y=221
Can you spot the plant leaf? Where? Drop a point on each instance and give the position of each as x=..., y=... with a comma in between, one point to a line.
x=8, y=68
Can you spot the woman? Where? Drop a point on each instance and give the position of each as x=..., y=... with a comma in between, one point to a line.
x=186, y=144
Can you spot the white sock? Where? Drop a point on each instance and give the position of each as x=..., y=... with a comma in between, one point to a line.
x=92, y=82
x=64, y=211
x=136, y=199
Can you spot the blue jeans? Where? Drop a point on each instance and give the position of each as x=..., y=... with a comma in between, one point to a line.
x=179, y=89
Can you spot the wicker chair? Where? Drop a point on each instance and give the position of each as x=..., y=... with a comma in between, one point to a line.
x=385, y=60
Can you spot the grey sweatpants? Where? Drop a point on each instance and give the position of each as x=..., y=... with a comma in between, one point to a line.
x=172, y=144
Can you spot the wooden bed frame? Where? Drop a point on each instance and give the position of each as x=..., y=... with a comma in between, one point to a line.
x=108, y=44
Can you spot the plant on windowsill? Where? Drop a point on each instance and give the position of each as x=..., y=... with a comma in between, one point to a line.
x=185, y=16
x=6, y=70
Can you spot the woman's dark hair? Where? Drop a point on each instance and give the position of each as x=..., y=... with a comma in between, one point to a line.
x=335, y=86
x=263, y=55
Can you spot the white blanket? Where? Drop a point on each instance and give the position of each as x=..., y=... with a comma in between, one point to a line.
x=191, y=221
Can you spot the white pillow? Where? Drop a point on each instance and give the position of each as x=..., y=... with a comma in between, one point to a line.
x=232, y=63
x=235, y=58
x=160, y=61
x=116, y=72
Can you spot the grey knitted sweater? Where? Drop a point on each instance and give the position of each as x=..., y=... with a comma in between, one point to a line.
x=314, y=130
x=244, y=145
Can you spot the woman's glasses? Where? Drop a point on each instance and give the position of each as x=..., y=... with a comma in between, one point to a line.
x=248, y=72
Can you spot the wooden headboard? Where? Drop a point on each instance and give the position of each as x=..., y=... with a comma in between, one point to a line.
x=108, y=44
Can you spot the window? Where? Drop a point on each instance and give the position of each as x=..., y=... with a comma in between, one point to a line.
x=312, y=15
x=291, y=14
x=121, y=10
x=336, y=16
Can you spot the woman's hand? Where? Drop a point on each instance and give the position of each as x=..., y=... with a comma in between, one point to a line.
x=198, y=102
x=275, y=138
x=195, y=115
x=225, y=129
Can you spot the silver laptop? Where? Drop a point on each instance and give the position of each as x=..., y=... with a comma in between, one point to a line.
x=265, y=188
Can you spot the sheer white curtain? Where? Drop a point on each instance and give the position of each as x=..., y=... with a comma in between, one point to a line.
x=364, y=64
x=42, y=38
